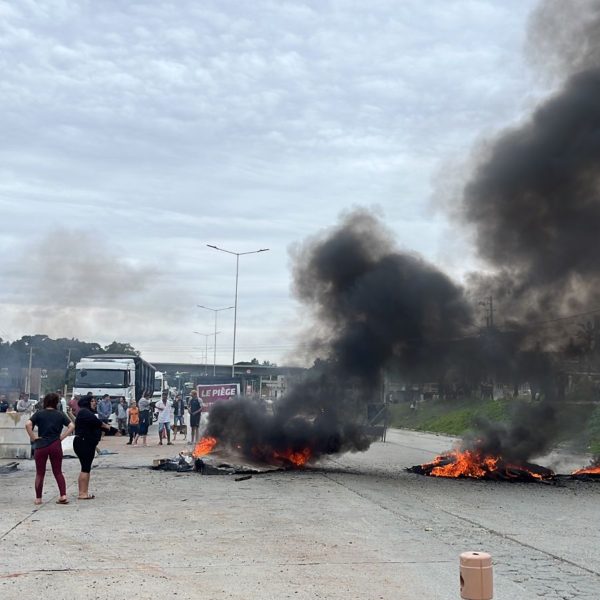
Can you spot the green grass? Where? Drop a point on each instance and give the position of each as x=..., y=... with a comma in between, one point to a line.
x=593, y=432
x=456, y=417
x=453, y=417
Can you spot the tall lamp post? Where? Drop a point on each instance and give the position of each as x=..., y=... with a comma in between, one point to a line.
x=216, y=311
x=206, y=336
x=237, y=272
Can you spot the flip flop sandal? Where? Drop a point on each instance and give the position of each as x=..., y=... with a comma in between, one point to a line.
x=62, y=501
x=88, y=497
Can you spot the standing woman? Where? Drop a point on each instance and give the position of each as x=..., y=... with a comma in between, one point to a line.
x=145, y=418
x=47, y=444
x=88, y=432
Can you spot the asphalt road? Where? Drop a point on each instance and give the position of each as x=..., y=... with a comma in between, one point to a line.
x=357, y=526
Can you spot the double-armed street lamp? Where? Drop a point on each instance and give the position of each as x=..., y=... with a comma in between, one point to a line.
x=237, y=271
x=216, y=311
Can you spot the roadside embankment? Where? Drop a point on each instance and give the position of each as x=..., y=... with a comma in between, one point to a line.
x=458, y=416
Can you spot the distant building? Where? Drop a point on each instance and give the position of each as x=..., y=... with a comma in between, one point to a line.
x=255, y=380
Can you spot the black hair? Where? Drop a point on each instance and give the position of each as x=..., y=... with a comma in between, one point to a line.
x=51, y=400
x=85, y=402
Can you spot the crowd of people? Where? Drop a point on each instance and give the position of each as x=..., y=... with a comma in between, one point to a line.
x=23, y=404
x=88, y=418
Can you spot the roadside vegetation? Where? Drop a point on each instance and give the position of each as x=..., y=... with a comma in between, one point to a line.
x=452, y=417
x=593, y=432
x=457, y=417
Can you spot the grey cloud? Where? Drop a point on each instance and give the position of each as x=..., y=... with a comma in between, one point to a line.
x=161, y=126
x=77, y=268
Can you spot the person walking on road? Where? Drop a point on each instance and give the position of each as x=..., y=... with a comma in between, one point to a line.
x=164, y=419
x=195, y=413
x=133, y=414
x=50, y=422
x=145, y=418
x=88, y=432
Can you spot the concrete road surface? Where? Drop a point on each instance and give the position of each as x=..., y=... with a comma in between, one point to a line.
x=354, y=527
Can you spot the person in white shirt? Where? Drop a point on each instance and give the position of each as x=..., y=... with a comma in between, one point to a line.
x=63, y=401
x=164, y=419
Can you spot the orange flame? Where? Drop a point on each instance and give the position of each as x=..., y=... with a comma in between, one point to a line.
x=471, y=463
x=204, y=446
x=465, y=464
x=595, y=470
x=296, y=458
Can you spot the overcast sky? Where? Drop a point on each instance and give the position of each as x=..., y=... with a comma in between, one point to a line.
x=135, y=133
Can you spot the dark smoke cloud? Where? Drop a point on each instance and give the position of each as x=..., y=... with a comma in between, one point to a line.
x=534, y=202
x=376, y=302
x=534, y=426
x=373, y=306
x=535, y=197
x=563, y=36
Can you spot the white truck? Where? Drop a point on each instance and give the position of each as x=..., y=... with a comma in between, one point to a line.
x=160, y=385
x=118, y=375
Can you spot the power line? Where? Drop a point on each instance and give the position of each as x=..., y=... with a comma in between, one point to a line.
x=574, y=316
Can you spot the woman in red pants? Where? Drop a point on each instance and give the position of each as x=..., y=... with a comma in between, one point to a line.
x=50, y=423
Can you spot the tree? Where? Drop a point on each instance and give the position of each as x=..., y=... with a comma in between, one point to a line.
x=47, y=353
x=120, y=348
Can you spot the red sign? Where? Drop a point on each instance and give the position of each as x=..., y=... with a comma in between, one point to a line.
x=209, y=394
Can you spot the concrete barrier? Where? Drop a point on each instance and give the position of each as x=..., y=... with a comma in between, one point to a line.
x=14, y=441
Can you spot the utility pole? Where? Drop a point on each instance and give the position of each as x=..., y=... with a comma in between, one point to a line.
x=488, y=303
x=28, y=384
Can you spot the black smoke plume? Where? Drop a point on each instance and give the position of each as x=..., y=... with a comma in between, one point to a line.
x=534, y=201
x=372, y=306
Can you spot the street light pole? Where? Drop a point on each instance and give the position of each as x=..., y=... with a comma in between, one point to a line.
x=28, y=386
x=237, y=272
x=216, y=311
x=206, y=336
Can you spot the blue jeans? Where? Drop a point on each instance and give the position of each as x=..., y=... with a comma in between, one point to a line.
x=163, y=429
